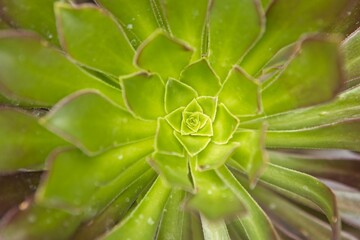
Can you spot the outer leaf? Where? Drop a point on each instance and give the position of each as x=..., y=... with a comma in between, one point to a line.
x=144, y=95
x=307, y=187
x=214, y=230
x=225, y=124
x=23, y=14
x=295, y=86
x=87, y=31
x=229, y=37
x=201, y=77
x=98, y=128
x=240, y=93
x=349, y=206
x=137, y=19
x=24, y=144
x=186, y=20
x=171, y=55
x=28, y=65
x=177, y=95
x=351, y=49
x=174, y=170
x=304, y=18
x=165, y=141
x=145, y=216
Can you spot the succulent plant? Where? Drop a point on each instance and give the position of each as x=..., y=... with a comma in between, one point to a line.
x=164, y=119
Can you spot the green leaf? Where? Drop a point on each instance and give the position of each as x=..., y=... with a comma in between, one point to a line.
x=208, y=105
x=144, y=95
x=173, y=169
x=24, y=143
x=256, y=223
x=28, y=65
x=229, y=37
x=174, y=118
x=177, y=95
x=341, y=135
x=351, y=50
x=214, y=230
x=192, y=144
x=266, y=3
x=201, y=77
x=37, y=16
x=146, y=216
x=295, y=85
x=86, y=31
x=306, y=187
x=240, y=93
x=165, y=141
x=251, y=156
x=304, y=18
x=98, y=128
x=215, y=155
x=225, y=124
x=138, y=20
x=173, y=217
x=193, y=106
x=186, y=20
x=210, y=191
x=171, y=55
x=87, y=175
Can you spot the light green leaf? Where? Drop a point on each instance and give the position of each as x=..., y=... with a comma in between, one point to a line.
x=146, y=216
x=171, y=55
x=251, y=156
x=225, y=124
x=193, y=106
x=296, y=84
x=85, y=31
x=208, y=105
x=138, y=20
x=37, y=16
x=28, y=65
x=173, y=217
x=210, y=191
x=144, y=95
x=186, y=20
x=24, y=144
x=214, y=230
x=173, y=169
x=177, y=95
x=165, y=141
x=215, y=155
x=306, y=187
x=256, y=223
x=201, y=77
x=266, y=3
x=174, y=118
x=240, y=93
x=341, y=135
x=234, y=26
x=193, y=144
x=98, y=128
x=304, y=18
x=351, y=50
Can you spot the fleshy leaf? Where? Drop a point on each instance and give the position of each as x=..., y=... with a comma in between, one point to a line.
x=256, y=222
x=351, y=49
x=240, y=93
x=210, y=191
x=165, y=141
x=215, y=155
x=193, y=144
x=229, y=37
x=304, y=18
x=86, y=31
x=201, y=77
x=306, y=187
x=208, y=105
x=177, y=95
x=137, y=19
x=186, y=20
x=214, y=230
x=251, y=155
x=171, y=55
x=174, y=170
x=193, y=106
x=28, y=65
x=295, y=86
x=174, y=118
x=146, y=216
x=23, y=14
x=98, y=128
x=24, y=144
x=144, y=95
x=224, y=126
